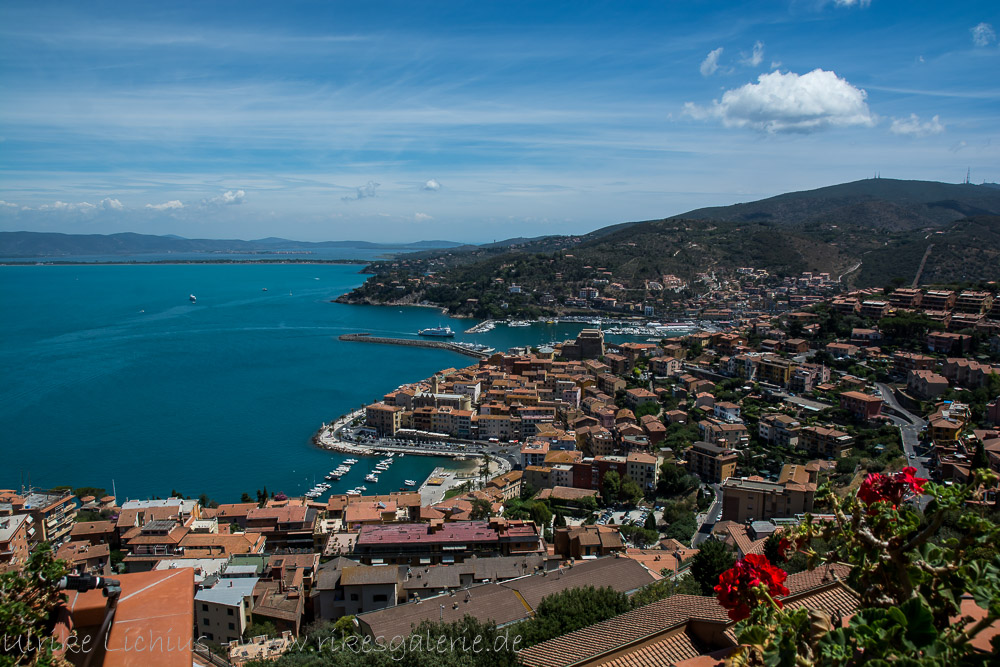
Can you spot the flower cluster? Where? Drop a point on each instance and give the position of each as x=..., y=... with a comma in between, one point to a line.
x=893, y=489
x=742, y=586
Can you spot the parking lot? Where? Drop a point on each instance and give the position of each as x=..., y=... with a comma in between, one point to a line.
x=635, y=516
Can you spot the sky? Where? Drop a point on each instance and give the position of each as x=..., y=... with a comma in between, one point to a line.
x=474, y=121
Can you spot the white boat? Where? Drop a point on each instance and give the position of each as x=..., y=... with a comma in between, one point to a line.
x=192, y=298
x=353, y=492
x=409, y=482
x=371, y=477
x=441, y=332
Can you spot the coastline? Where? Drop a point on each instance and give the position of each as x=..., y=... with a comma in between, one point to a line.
x=181, y=262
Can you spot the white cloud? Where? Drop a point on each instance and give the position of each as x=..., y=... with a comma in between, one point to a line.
x=165, y=206
x=227, y=198
x=983, y=35
x=7, y=204
x=790, y=103
x=756, y=56
x=67, y=206
x=432, y=185
x=913, y=127
x=852, y=3
x=365, y=191
x=711, y=62
x=109, y=204
x=421, y=217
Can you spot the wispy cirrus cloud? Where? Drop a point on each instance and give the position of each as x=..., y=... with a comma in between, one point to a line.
x=790, y=102
x=755, y=57
x=710, y=65
x=983, y=34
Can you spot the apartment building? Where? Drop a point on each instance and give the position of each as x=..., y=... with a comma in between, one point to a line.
x=863, y=407
x=53, y=514
x=16, y=533
x=385, y=419
x=974, y=302
x=222, y=610
x=440, y=542
x=825, y=441
x=711, y=463
x=642, y=468
x=778, y=429
x=753, y=499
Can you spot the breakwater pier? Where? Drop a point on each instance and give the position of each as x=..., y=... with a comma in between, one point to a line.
x=461, y=348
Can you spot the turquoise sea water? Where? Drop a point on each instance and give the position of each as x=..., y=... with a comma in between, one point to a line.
x=110, y=373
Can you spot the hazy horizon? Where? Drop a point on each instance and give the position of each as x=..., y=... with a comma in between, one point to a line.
x=391, y=122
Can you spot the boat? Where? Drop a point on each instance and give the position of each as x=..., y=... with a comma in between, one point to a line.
x=371, y=477
x=192, y=298
x=519, y=323
x=264, y=289
x=402, y=454
x=409, y=482
x=440, y=332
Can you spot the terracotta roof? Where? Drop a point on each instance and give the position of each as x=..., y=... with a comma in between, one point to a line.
x=361, y=575
x=664, y=652
x=92, y=528
x=628, y=628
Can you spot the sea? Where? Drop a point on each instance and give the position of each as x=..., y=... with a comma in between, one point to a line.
x=112, y=377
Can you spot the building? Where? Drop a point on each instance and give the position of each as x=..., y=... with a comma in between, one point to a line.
x=587, y=542
x=926, y=384
x=974, y=302
x=748, y=499
x=288, y=527
x=938, y=300
x=778, y=429
x=506, y=602
x=385, y=419
x=825, y=441
x=944, y=342
x=711, y=463
x=53, y=514
x=637, y=398
x=16, y=534
x=774, y=370
x=440, y=542
x=904, y=362
x=863, y=407
x=589, y=344
x=222, y=610
x=641, y=467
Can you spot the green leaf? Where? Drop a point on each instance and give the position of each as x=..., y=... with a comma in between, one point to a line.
x=920, y=630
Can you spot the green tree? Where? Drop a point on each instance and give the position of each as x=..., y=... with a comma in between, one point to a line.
x=630, y=491
x=979, y=460
x=570, y=610
x=675, y=481
x=650, y=523
x=611, y=486
x=664, y=588
x=713, y=558
x=28, y=603
x=481, y=509
x=245, y=498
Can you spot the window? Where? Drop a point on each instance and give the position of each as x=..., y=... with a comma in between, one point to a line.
x=354, y=597
x=380, y=598
x=230, y=611
x=209, y=635
x=204, y=607
x=232, y=627
x=205, y=622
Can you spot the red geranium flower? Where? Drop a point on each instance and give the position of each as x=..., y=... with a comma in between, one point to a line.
x=737, y=589
x=894, y=489
x=784, y=549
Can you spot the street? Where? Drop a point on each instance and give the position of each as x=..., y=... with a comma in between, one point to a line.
x=910, y=426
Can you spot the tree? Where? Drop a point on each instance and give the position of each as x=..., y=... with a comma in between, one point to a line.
x=258, y=628
x=630, y=491
x=675, y=481
x=571, y=610
x=29, y=600
x=979, y=460
x=664, y=588
x=481, y=509
x=611, y=486
x=650, y=523
x=713, y=558
x=540, y=513
x=245, y=498
x=560, y=520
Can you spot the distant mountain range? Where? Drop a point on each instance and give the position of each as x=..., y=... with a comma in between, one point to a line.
x=47, y=244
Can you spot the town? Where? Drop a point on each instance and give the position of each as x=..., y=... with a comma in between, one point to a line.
x=643, y=467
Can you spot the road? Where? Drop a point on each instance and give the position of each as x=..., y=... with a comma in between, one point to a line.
x=910, y=426
x=709, y=518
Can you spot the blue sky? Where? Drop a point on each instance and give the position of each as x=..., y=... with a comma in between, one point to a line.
x=477, y=120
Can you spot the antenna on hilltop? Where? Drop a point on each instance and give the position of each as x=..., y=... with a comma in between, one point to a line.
x=968, y=174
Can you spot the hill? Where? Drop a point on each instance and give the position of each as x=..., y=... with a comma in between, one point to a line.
x=47, y=244
x=878, y=203
x=869, y=232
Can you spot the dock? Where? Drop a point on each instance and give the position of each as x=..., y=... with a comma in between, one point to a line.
x=411, y=342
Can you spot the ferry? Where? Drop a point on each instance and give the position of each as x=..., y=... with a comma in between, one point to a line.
x=440, y=332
